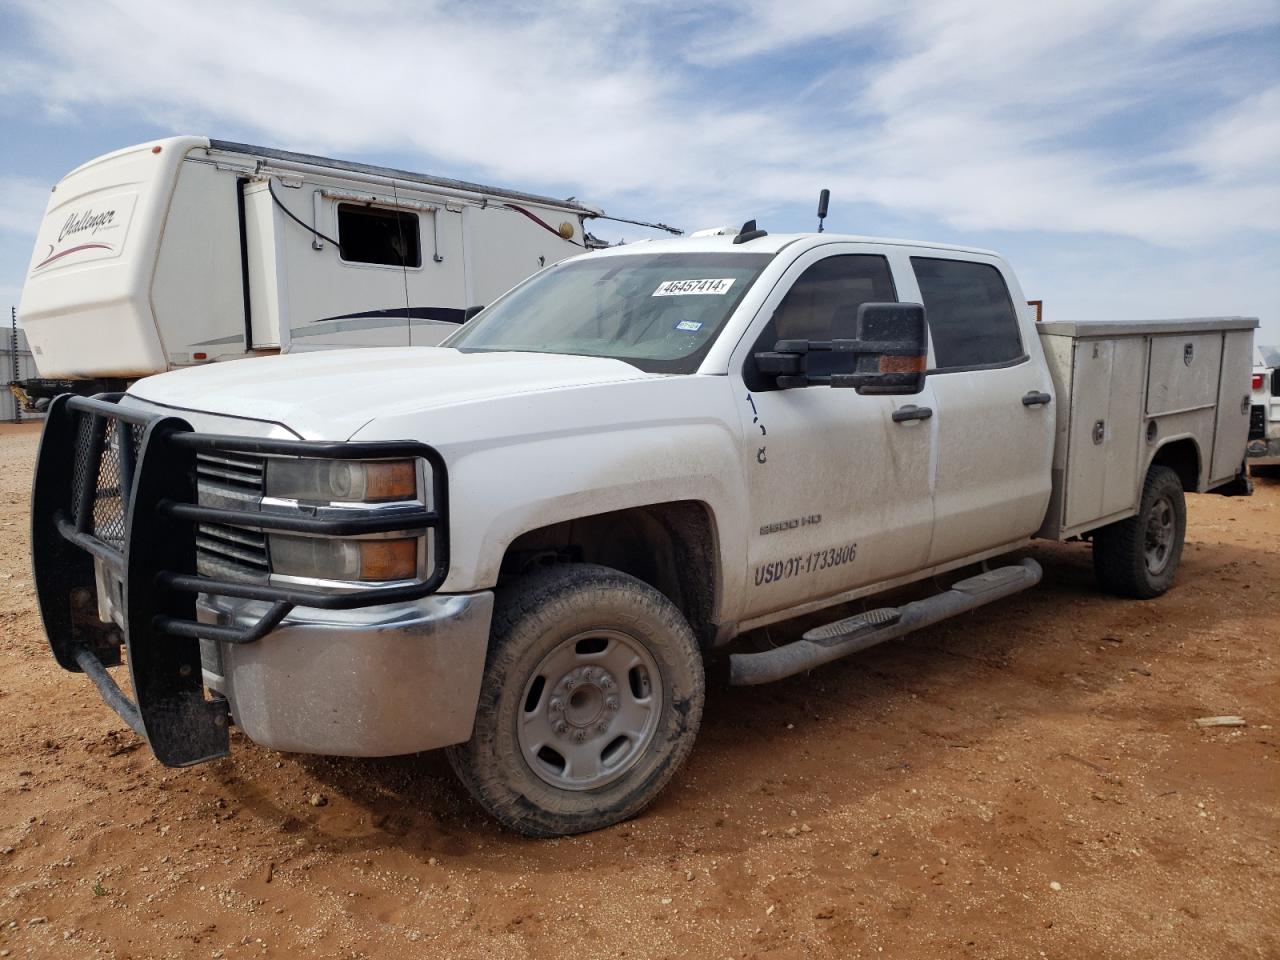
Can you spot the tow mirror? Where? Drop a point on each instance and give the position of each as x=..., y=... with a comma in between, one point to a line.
x=887, y=354
x=470, y=312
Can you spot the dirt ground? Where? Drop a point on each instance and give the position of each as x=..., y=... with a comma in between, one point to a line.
x=1026, y=781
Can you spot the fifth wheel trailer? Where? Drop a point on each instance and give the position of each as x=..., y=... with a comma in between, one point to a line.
x=187, y=250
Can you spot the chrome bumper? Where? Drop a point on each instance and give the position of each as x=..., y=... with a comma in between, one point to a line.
x=368, y=682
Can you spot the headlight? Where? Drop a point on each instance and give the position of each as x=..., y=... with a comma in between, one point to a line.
x=352, y=481
x=326, y=558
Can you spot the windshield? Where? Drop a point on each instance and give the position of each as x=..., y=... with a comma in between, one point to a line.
x=660, y=312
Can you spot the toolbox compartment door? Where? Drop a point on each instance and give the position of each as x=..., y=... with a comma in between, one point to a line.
x=1184, y=372
x=1107, y=389
x=1231, y=430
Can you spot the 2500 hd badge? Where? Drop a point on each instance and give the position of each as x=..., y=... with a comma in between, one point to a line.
x=793, y=524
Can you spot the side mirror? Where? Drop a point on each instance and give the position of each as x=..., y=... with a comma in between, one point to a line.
x=470, y=312
x=890, y=349
x=886, y=354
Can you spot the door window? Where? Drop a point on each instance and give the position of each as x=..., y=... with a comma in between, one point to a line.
x=824, y=299
x=971, y=317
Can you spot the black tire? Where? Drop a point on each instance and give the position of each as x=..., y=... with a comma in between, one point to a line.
x=1126, y=556
x=535, y=619
x=1241, y=486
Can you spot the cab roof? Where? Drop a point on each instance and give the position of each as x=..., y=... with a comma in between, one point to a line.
x=772, y=243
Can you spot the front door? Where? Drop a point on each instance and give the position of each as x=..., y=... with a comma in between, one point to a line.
x=839, y=490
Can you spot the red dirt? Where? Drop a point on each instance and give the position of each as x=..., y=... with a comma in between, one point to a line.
x=1027, y=781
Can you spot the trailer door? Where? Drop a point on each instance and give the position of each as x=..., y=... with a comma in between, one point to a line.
x=394, y=277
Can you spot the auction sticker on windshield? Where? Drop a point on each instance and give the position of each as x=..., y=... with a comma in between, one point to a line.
x=677, y=288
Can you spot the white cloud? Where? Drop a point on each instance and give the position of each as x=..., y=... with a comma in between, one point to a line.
x=1242, y=144
x=979, y=114
x=1085, y=285
x=749, y=28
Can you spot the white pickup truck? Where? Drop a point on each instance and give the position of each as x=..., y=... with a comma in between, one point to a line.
x=1264, y=415
x=519, y=545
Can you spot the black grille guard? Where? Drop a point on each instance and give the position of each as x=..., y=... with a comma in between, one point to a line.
x=118, y=485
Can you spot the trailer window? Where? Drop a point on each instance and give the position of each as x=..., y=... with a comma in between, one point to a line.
x=374, y=235
x=971, y=317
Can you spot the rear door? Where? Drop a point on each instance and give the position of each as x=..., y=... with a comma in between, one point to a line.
x=839, y=491
x=995, y=445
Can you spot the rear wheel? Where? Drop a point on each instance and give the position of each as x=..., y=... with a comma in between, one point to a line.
x=1241, y=486
x=1139, y=557
x=591, y=699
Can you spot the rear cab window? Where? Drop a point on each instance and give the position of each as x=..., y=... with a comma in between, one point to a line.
x=971, y=316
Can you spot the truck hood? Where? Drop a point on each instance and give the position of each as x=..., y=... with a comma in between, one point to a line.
x=329, y=395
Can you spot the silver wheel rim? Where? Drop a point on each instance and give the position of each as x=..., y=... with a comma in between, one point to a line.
x=589, y=710
x=1158, y=539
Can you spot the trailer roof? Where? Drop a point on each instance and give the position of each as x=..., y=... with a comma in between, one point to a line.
x=271, y=153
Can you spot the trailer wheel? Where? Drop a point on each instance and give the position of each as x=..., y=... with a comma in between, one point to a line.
x=591, y=700
x=1139, y=557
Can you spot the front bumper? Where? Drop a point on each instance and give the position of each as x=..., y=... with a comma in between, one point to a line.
x=115, y=517
x=371, y=682
x=1263, y=452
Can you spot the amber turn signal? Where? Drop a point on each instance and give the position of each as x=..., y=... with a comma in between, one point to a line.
x=391, y=480
x=388, y=559
x=902, y=364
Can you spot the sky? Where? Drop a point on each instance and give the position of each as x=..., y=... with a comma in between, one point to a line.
x=1124, y=155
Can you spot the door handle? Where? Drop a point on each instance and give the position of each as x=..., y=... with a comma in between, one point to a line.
x=911, y=412
x=1036, y=399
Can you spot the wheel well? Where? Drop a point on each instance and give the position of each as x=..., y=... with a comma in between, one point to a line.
x=1183, y=458
x=670, y=546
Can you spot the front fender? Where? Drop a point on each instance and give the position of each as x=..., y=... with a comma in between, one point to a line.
x=520, y=463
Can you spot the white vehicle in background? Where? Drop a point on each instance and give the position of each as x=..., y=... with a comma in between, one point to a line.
x=186, y=251
x=1264, y=412
x=520, y=544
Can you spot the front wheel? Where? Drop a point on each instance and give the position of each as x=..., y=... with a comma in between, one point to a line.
x=591, y=699
x=1139, y=557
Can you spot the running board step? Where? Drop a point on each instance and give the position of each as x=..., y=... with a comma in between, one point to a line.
x=852, y=634
x=850, y=628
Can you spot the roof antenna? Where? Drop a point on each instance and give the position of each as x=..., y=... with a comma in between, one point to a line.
x=824, y=198
x=749, y=233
